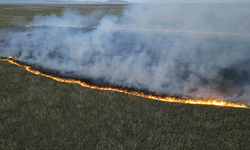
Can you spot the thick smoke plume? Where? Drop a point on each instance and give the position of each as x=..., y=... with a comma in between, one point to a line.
x=177, y=64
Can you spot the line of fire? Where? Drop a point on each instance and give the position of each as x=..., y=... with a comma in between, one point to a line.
x=135, y=29
x=144, y=94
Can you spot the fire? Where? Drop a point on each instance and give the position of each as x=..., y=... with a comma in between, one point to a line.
x=136, y=93
x=137, y=29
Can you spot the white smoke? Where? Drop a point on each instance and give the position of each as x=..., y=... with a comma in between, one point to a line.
x=178, y=64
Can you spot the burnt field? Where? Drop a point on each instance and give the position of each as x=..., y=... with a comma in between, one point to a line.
x=39, y=113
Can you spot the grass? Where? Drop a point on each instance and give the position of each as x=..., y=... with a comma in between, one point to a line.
x=21, y=14
x=39, y=113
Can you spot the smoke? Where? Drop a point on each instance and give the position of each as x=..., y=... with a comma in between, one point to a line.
x=177, y=64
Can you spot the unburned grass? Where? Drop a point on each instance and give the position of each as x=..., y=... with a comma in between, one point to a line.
x=40, y=113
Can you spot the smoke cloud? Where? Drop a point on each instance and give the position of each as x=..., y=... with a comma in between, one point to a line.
x=177, y=64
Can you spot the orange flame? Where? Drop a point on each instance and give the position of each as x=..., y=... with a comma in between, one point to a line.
x=136, y=93
x=137, y=29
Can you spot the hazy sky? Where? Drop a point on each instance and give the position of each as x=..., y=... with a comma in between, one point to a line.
x=140, y=1
x=175, y=1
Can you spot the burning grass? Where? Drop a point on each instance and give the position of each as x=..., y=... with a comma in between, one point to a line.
x=127, y=91
x=137, y=29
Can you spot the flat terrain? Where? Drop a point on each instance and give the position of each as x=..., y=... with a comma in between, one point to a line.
x=39, y=113
x=18, y=15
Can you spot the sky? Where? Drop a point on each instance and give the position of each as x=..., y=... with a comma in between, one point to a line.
x=146, y=1
x=177, y=1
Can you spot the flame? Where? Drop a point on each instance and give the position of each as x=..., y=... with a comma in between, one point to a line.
x=123, y=90
x=137, y=29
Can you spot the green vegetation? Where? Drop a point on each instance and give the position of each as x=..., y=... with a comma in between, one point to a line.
x=39, y=113
x=19, y=15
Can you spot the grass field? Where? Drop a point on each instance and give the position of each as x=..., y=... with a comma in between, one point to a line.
x=12, y=15
x=39, y=113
